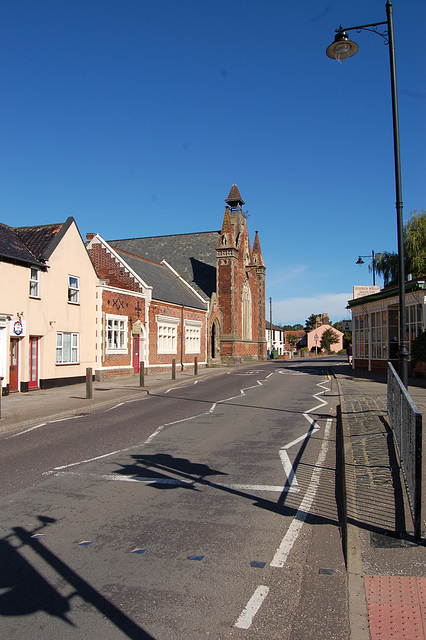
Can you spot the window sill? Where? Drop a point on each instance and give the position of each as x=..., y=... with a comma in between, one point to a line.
x=66, y=364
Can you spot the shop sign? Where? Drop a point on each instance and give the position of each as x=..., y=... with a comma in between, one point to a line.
x=360, y=292
x=17, y=328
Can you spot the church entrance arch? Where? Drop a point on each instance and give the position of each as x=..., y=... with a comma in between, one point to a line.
x=214, y=341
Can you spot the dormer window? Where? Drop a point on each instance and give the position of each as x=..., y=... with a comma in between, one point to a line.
x=73, y=289
x=34, y=282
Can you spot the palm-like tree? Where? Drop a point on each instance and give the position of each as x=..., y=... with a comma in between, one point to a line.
x=386, y=263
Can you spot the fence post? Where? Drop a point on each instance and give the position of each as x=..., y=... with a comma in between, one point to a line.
x=142, y=374
x=195, y=366
x=173, y=369
x=89, y=381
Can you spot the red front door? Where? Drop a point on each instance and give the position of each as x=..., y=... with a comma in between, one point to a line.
x=13, y=366
x=33, y=377
x=136, y=354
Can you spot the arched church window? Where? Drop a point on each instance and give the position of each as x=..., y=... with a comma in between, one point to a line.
x=246, y=311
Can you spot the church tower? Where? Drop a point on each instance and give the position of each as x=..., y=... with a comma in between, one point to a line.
x=240, y=287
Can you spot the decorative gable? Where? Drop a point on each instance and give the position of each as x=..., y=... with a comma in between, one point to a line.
x=110, y=268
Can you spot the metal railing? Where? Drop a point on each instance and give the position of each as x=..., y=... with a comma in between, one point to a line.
x=406, y=424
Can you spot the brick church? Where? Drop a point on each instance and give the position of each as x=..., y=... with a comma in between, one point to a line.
x=225, y=272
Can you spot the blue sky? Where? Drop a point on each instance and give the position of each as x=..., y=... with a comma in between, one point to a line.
x=137, y=117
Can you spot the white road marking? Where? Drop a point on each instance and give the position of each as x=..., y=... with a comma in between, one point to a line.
x=290, y=537
x=305, y=435
x=284, y=372
x=252, y=607
x=173, y=481
x=120, y=404
x=14, y=435
x=288, y=468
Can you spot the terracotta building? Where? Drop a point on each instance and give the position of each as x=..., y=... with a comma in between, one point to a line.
x=227, y=272
x=145, y=313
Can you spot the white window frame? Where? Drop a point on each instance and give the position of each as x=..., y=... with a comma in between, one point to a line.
x=73, y=290
x=64, y=350
x=116, y=330
x=34, y=282
x=193, y=336
x=167, y=334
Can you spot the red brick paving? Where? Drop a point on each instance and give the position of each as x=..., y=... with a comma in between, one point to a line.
x=396, y=607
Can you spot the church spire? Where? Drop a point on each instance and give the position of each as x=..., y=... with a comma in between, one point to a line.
x=257, y=253
x=227, y=234
x=234, y=200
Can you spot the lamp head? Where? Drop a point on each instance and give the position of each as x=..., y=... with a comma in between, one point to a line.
x=342, y=48
x=359, y=261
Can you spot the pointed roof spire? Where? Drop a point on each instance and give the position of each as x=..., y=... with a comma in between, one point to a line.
x=234, y=199
x=226, y=235
x=257, y=253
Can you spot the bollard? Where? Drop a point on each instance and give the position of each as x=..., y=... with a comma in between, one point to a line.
x=195, y=366
x=1, y=391
x=173, y=369
x=89, y=381
x=142, y=375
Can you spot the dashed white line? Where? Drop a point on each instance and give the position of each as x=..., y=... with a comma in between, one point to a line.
x=252, y=607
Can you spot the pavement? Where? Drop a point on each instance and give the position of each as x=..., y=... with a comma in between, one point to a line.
x=386, y=566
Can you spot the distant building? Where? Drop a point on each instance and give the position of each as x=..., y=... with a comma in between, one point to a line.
x=275, y=338
x=314, y=337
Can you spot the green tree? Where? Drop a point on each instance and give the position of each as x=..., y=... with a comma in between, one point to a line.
x=418, y=347
x=347, y=335
x=292, y=327
x=386, y=263
x=311, y=322
x=329, y=337
x=415, y=244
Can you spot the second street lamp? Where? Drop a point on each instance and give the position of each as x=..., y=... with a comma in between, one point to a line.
x=341, y=49
x=373, y=268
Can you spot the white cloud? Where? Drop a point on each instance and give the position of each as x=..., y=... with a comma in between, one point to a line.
x=292, y=273
x=297, y=310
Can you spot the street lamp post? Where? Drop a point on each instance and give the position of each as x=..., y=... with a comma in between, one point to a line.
x=361, y=261
x=341, y=49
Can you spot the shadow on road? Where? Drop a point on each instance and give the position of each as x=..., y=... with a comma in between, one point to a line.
x=27, y=591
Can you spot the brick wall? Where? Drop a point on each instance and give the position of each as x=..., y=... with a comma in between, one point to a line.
x=109, y=269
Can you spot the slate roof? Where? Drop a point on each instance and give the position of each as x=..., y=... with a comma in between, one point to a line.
x=192, y=255
x=167, y=287
x=13, y=249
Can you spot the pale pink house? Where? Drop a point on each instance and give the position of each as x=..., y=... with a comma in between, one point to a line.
x=317, y=333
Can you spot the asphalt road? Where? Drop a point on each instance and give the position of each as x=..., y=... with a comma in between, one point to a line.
x=208, y=511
